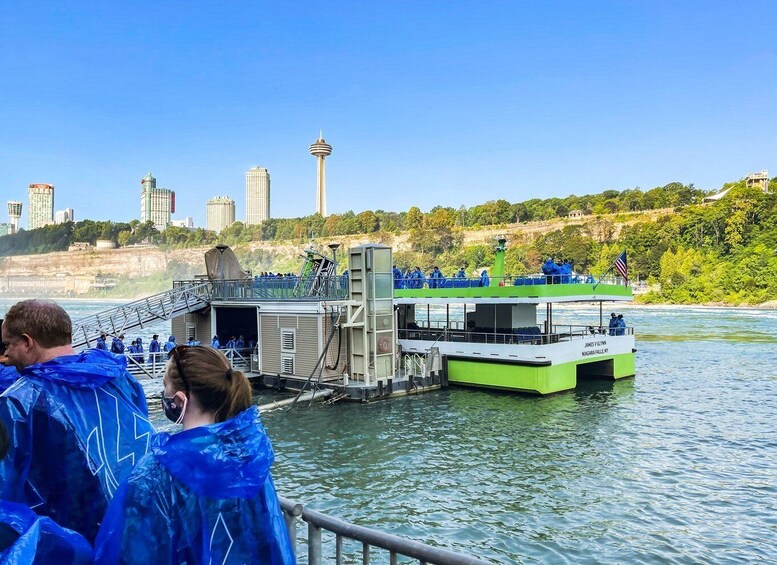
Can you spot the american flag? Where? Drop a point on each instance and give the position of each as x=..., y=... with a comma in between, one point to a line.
x=621, y=265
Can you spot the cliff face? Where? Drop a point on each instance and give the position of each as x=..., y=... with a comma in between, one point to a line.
x=135, y=262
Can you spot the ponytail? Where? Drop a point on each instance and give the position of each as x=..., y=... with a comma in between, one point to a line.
x=239, y=396
x=219, y=389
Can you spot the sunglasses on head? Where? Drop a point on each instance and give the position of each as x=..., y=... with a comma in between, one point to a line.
x=175, y=353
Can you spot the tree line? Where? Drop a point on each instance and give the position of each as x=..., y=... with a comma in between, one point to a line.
x=718, y=252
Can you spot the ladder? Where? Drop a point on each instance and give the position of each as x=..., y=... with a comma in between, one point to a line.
x=182, y=298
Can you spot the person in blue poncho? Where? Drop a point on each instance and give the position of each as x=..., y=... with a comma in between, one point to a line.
x=101, y=342
x=8, y=376
x=397, y=274
x=484, y=280
x=117, y=346
x=78, y=422
x=613, y=324
x=170, y=344
x=205, y=494
x=154, y=349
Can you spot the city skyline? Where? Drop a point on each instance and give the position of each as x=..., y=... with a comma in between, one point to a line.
x=535, y=100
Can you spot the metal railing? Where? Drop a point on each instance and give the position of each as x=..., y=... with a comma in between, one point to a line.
x=507, y=280
x=160, y=307
x=560, y=333
x=276, y=288
x=396, y=546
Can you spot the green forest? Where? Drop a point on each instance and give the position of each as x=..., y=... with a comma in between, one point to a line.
x=721, y=252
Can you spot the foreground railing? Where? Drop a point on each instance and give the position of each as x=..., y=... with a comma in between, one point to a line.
x=369, y=538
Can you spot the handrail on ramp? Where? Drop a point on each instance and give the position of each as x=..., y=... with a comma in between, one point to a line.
x=158, y=307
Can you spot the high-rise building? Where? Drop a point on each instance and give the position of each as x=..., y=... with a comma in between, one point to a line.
x=257, y=196
x=14, y=212
x=41, y=204
x=219, y=213
x=187, y=222
x=6, y=229
x=156, y=204
x=63, y=216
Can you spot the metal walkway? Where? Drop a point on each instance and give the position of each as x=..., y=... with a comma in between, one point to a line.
x=158, y=307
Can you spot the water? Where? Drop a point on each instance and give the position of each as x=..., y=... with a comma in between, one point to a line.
x=677, y=465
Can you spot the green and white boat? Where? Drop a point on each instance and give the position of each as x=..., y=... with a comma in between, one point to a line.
x=503, y=336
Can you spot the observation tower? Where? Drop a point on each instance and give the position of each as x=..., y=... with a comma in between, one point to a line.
x=14, y=212
x=320, y=150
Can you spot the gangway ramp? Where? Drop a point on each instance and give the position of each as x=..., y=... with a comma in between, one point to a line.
x=182, y=298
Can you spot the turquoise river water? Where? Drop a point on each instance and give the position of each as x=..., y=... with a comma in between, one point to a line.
x=677, y=465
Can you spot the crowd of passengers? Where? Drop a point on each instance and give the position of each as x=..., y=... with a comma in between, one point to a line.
x=553, y=272
x=156, y=349
x=84, y=478
x=415, y=278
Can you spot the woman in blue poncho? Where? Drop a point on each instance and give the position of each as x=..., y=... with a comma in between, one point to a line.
x=205, y=494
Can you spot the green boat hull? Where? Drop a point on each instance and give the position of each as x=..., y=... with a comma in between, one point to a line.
x=537, y=379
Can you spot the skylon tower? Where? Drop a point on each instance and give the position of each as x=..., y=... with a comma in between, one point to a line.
x=320, y=150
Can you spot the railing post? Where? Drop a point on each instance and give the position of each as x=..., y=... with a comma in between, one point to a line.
x=314, y=544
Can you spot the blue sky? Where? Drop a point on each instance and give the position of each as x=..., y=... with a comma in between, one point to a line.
x=424, y=103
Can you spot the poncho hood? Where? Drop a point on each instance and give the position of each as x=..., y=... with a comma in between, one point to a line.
x=231, y=459
x=89, y=369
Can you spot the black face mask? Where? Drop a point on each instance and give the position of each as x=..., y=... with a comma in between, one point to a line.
x=172, y=412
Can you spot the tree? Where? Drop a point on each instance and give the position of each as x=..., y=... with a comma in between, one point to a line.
x=414, y=218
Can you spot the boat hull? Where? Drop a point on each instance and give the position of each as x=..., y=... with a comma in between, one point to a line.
x=537, y=378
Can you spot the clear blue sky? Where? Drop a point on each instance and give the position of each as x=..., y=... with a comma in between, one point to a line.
x=424, y=103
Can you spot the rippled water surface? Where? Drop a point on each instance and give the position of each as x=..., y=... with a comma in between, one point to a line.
x=678, y=465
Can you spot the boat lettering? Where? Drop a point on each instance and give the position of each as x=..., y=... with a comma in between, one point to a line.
x=595, y=348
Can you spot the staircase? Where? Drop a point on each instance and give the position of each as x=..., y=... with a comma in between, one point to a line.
x=182, y=298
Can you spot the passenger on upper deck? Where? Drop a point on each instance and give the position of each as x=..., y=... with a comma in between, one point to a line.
x=461, y=274
x=205, y=494
x=398, y=282
x=484, y=280
x=78, y=421
x=436, y=278
x=417, y=279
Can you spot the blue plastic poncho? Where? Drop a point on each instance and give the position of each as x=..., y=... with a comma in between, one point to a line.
x=204, y=495
x=35, y=539
x=77, y=425
x=8, y=376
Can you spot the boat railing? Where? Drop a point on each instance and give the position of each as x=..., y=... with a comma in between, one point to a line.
x=507, y=280
x=532, y=335
x=367, y=538
x=276, y=288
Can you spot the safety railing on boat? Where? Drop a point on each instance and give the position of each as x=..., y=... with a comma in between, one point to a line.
x=507, y=280
x=528, y=336
x=395, y=546
x=277, y=288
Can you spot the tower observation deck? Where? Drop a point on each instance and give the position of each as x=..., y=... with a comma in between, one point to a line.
x=320, y=150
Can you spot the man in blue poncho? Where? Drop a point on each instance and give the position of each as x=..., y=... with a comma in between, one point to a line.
x=154, y=349
x=78, y=422
x=101, y=342
x=117, y=346
x=170, y=344
x=205, y=494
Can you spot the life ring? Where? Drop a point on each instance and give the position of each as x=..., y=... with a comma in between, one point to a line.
x=384, y=345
